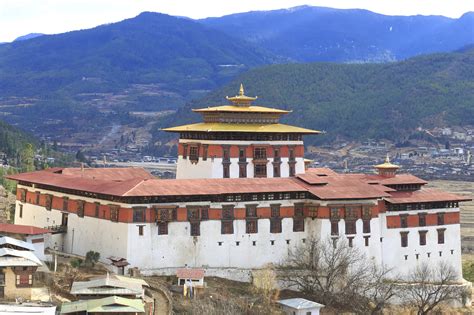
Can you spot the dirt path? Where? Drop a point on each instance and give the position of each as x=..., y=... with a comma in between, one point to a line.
x=161, y=295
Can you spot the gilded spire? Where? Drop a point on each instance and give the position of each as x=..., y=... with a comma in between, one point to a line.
x=387, y=164
x=241, y=99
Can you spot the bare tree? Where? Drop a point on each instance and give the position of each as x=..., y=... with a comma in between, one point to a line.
x=337, y=275
x=431, y=286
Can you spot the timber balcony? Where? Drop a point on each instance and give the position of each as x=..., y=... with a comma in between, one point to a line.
x=57, y=229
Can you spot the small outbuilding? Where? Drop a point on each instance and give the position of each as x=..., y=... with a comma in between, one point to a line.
x=300, y=306
x=193, y=275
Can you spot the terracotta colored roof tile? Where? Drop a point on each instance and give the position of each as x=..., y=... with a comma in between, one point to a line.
x=190, y=273
x=423, y=195
x=22, y=229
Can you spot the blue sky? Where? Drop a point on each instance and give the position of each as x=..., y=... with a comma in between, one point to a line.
x=20, y=17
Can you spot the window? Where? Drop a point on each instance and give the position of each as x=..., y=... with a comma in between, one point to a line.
x=242, y=171
x=404, y=239
x=251, y=226
x=196, y=213
x=20, y=214
x=226, y=170
x=422, y=219
x=140, y=230
x=299, y=209
x=194, y=153
x=24, y=280
x=37, y=198
x=242, y=155
x=422, y=237
x=205, y=213
x=404, y=220
x=195, y=229
x=276, y=153
x=441, y=218
x=163, y=228
x=334, y=227
x=260, y=170
x=227, y=212
x=23, y=195
x=335, y=214
x=251, y=211
x=260, y=153
x=185, y=151
x=225, y=153
x=80, y=208
x=276, y=170
x=292, y=170
x=114, y=213
x=227, y=227
x=48, y=202
x=350, y=239
x=298, y=225
x=350, y=227
x=275, y=210
x=139, y=214
x=205, y=148
x=65, y=203
x=366, y=226
x=366, y=240
x=275, y=225
x=441, y=236
x=97, y=209
x=292, y=154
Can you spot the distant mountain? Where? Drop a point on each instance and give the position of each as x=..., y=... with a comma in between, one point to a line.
x=28, y=36
x=80, y=80
x=12, y=139
x=358, y=101
x=307, y=34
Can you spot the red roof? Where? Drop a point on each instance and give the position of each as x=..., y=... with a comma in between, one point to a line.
x=134, y=182
x=22, y=229
x=423, y=195
x=190, y=273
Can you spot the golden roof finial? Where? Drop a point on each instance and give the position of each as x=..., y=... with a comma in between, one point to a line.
x=241, y=99
x=387, y=159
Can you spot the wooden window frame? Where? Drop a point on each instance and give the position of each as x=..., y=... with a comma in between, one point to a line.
x=162, y=228
x=48, y=202
x=227, y=227
x=404, y=238
x=275, y=210
x=275, y=225
x=251, y=226
x=441, y=239
x=114, y=213
x=421, y=219
x=260, y=153
x=205, y=150
x=366, y=226
x=260, y=170
x=250, y=211
x=350, y=227
x=334, y=227
x=195, y=228
x=403, y=220
x=440, y=218
x=65, y=203
x=80, y=208
x=298, y=224
x=423, y=234
x=137, y=217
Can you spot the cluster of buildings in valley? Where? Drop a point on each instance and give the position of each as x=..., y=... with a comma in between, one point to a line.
x=243, y=197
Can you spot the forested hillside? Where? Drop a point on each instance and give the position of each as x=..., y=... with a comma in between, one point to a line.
x=359, y=101
x=307, y=34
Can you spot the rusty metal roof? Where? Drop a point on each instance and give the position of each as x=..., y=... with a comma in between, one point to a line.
x=424, y=195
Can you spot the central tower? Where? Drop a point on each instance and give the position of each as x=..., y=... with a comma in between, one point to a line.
x=240, y=140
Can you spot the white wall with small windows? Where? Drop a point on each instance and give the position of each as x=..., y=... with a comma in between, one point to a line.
x=430, y=244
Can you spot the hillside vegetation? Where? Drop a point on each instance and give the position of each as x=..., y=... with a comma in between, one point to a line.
x=358, y=101
x=308, y=34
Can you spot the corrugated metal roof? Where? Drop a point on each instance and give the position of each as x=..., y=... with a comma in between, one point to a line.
x=109, y=285
x=111, y=304
x=22, y=229
x=14, y=257
x=190, y=273
x=300, y=303
x=423, y=195
x=7, y=240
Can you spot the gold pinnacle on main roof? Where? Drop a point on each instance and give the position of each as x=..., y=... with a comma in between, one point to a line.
x=387, y=164
x=241, y=99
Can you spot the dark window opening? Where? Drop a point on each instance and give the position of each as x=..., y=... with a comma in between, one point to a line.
x=275, y=225
x=194, y=153
x=351, y=227
x=195, y=229
x=292, y=170
x=366, y=226
x=272, y=242
x=260, y=153
x=254, y=243
x=226, y=170
x=404, y=221
x=204, y=151
x=276, y=170
x=260, y=170
x=140, y=230
x=20, y=214
x=441, y=218
x=251, y=226
x=298, y=225
x=404, y=239
x=185, y=151
x=242, y=171
x=287, y=242
x=237, y=243
x=366, y=240
x=275, y=211
x=350, y=239
x=441, y=236
x=251, y=211
x=163, y=228
x=227, y=227
x=422, y=237
x=422, y=219
x=334, y=227
x=139, y=214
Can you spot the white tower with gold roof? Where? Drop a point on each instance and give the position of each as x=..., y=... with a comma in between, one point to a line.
x=240, y=140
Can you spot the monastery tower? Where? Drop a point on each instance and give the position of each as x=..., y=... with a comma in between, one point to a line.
x=240, y=140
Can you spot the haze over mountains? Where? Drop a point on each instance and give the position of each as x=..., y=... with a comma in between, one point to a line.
x=79, y=84
x=307, y=34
